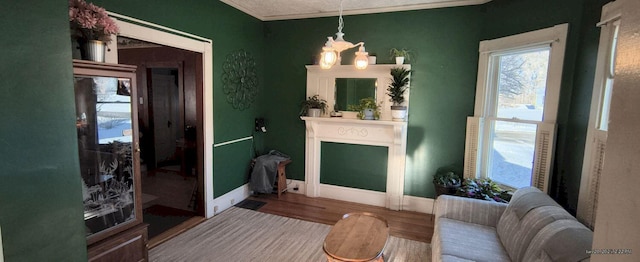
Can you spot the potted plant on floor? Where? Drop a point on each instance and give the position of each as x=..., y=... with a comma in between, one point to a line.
x=446, y=181
x=484, y=189
x=398, y=86
x=314, y=106
x=400, y=55
x=367, y=109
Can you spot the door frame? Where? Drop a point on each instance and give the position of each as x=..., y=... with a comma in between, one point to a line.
x=142, y=30
x=148, y=95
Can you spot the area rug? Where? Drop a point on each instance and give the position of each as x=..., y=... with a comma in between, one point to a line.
x=162, y=218
x=250, y=204
x=240, y=234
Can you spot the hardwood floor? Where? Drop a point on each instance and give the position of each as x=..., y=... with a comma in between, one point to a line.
x=404, y=224
x=174, y=231
x=168, y=187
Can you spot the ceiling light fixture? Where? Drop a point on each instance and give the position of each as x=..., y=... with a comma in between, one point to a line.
x=332, y=49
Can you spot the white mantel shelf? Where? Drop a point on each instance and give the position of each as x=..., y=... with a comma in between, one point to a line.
x=355, y=121
x=390, y=134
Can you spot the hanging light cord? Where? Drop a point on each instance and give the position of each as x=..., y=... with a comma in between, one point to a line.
x=340, y=21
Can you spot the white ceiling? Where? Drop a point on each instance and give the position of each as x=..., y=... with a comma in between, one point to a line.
x=268, y=10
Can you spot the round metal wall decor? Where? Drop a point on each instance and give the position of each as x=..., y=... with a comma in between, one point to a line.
x=239, y=78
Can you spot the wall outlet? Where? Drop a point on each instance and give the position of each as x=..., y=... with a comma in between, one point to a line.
x=233, y=201
x=295, y=187
x=215, y=209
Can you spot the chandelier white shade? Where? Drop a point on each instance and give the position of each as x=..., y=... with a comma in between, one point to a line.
x=328, y=57
x=332, y=48
x=362, y=58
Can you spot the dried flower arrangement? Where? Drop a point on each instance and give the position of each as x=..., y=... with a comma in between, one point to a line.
x=90, y=22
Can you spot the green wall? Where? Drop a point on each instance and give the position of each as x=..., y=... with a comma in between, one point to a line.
x=356, y=166
x=230, y=30
x=40, y=193
x=445, y=43
x=40, y=196
x=235, y=175
x=41, y=210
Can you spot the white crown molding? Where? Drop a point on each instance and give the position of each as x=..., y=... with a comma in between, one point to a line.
x=388, y=9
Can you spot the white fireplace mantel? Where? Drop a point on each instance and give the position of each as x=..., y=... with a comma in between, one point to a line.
x=390, y=134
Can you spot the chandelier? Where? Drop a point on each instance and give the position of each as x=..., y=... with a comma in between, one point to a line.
x=332, y=48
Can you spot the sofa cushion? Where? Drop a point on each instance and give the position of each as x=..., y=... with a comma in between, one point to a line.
x=529, y=211
x=562, y=240
x=469, y=210
x=529, y=201
x=450, y=258
x=461, y=241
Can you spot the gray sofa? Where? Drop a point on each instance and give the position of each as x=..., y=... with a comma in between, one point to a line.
x=532, y=227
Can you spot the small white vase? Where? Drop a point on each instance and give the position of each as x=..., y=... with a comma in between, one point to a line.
x=399, y=60
x=398, y=113
x=372, y=60
x=368, y=114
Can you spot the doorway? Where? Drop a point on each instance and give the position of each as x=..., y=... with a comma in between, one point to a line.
x=169, y=117
x=165, y=109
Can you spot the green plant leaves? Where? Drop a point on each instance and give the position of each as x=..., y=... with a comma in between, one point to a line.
x=313, y=102
x=484, y=189
x=399, y=84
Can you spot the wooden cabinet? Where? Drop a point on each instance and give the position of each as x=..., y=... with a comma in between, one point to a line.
x=109, y=157
x=130, y=245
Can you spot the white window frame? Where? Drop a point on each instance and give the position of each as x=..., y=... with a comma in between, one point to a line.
x=555, y=37
x=596, y=138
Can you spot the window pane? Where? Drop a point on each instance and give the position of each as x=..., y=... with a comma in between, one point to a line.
x=605, y=104
x=512, y=148
x=105, y=152
x=113, y=109
x=522, y=83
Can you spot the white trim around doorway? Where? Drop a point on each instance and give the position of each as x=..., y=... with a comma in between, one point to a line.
x=138, y=29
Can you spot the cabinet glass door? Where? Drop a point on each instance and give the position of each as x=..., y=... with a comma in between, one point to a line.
x=105, y=145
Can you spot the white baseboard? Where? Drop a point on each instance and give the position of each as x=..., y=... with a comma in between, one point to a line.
x=418, y=204
x=361, y=196
x=227, y=200
x=367, y=197
x=409, y=203
x=292, y=184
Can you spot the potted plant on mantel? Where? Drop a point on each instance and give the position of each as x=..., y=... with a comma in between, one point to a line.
x=368, y=109
x=400, y=55
x=314, y=106
x=92, y=28
x=398, y=86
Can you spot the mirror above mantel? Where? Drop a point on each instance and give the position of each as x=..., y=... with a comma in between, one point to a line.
x=349, y=91
x=325, y=82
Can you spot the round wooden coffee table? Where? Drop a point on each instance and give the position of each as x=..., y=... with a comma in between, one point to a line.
x=357, y=237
